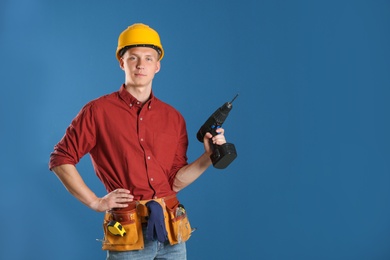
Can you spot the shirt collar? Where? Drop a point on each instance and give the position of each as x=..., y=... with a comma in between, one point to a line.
x=132, y=101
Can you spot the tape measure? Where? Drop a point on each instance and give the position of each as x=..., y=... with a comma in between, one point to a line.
x=116, y=228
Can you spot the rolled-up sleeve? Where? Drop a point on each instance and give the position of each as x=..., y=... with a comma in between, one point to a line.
x=79, y=139
x=180, y=159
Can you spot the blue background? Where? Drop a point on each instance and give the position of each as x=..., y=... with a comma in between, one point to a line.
x=311, y=124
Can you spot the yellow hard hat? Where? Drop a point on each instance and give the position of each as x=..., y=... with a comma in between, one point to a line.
x=139, y=35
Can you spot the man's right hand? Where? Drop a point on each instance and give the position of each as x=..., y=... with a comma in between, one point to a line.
x=118, y=198
x=73, y=182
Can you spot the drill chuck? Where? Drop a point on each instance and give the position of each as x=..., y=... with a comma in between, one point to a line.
x=215, y=120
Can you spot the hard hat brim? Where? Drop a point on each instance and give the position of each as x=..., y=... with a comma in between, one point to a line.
x=123, y=50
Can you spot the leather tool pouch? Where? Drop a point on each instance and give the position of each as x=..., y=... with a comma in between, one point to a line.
x=175, y=217
x=131, y=222
x=177, y=223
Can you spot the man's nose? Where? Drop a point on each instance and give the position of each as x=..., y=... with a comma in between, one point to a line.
x=140, y=64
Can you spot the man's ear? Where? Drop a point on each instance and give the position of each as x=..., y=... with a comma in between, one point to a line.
x=121, y=64
x=158, y=66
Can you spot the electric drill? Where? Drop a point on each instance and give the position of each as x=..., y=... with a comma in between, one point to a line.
x=223, y=154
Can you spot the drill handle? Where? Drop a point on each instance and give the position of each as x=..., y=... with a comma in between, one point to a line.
x=214, y=129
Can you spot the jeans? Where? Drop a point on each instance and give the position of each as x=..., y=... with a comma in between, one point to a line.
x=152, y=250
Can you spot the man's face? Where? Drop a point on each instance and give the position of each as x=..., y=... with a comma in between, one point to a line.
x=140, y=64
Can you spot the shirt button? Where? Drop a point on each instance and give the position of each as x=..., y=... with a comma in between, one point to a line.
x=151, y=179
x=140, y=119
x=148, y=157
x=138, y=103
x=142, y=139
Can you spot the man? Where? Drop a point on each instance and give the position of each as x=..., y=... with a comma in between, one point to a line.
x=138, y=148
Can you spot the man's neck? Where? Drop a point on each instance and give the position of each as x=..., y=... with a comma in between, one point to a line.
x=142, y=94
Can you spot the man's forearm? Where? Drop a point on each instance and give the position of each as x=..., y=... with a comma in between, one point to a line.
x=191, y=172
x=73, y=182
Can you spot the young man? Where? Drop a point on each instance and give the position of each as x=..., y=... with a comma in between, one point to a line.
x=138, y=148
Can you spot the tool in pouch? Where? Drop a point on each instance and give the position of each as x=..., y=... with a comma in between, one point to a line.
x=115, y=228
x=180, y=211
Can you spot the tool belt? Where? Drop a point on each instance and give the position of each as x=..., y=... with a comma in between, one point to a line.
x=135, y=216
